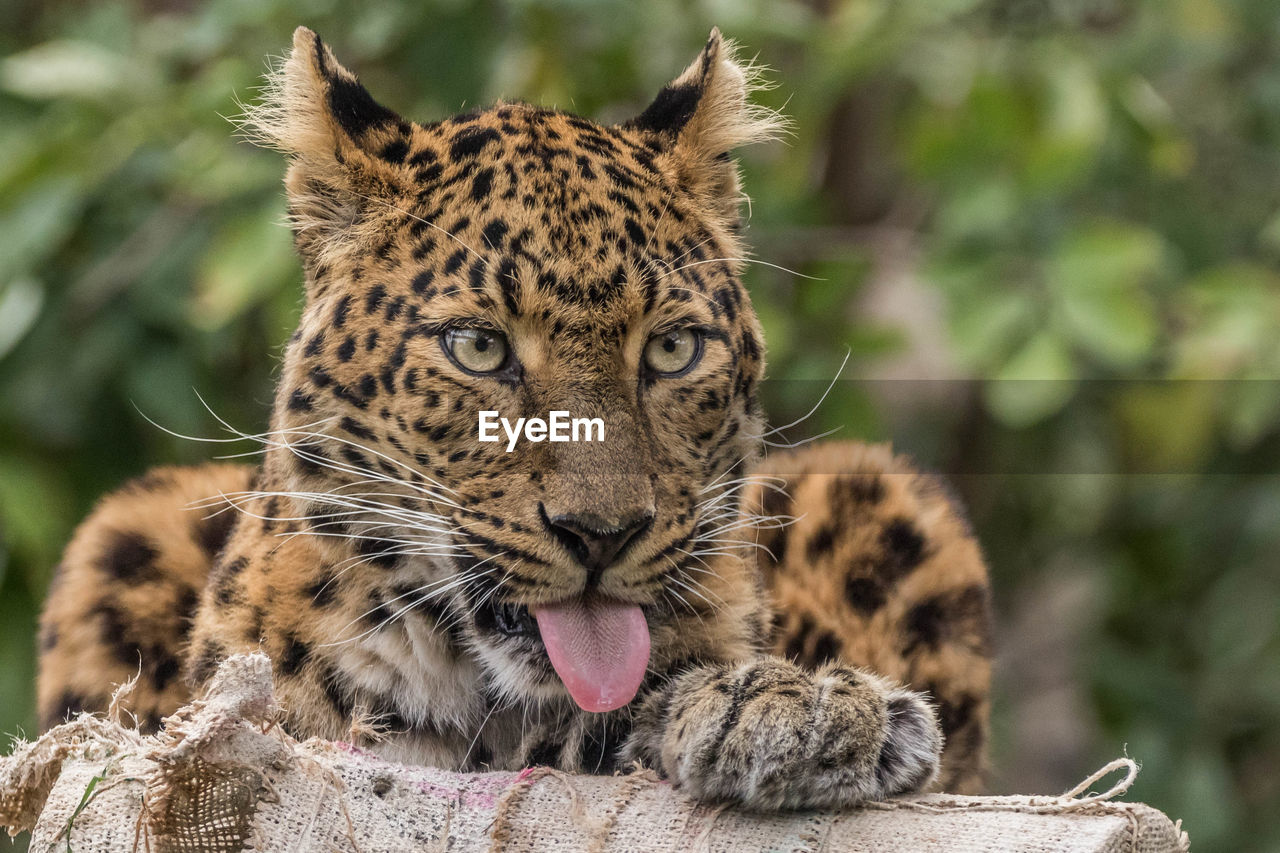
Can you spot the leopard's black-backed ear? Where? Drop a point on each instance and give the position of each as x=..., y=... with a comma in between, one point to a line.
x=346, y=151
x=705, y=114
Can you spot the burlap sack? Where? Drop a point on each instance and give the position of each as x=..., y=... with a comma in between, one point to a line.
x=223, y=776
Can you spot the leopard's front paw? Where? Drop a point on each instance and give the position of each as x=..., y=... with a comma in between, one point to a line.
x=772, y=735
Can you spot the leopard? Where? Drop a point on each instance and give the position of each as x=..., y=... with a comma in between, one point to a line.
x=805, y=628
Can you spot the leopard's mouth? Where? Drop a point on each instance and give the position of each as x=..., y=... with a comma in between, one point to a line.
x=508, y=619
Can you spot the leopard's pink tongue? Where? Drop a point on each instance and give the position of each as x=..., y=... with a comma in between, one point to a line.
x=600, y=650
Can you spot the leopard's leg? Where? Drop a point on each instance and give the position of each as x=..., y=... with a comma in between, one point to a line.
x=880, y=570
x=122, y=598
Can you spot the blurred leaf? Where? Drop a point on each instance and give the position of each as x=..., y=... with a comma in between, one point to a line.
x=1168, y=425
x=1105, y=256
x=34, y=511
x=1099, y=274
x=245, y=264
x=68, y=69
x=1240, y=618
x=983, y=327
x=1250, y=412
x=1072, y=128
x=1270, y=233
x=1036, y=383
x=1230, y=314
x=982, y=207
x=1207, y=797
x=20, y=303
x=1118, y=327
x=37, y=222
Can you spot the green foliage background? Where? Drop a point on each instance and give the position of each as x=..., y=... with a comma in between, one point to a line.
x=1078, y=200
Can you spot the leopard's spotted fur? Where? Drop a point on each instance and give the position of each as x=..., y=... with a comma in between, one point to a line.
x=383, y=557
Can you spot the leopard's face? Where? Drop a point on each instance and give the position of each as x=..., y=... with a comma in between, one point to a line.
x=519, y=261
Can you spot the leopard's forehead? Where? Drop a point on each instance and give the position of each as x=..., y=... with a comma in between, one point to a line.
x=542, y=150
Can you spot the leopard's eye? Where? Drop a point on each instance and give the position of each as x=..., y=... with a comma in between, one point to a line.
x=673, y=353
x=476, y=350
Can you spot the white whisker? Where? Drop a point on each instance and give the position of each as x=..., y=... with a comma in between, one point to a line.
x=446, y=233
x=743, y=261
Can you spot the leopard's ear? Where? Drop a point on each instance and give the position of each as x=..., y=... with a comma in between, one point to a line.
x=346, y=151
x=706, y=113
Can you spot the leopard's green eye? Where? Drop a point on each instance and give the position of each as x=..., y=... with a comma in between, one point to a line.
x=476, y=350
x=674, y=352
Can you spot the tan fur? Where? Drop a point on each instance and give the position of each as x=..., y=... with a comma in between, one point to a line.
x=115, y=611
x=388, y=561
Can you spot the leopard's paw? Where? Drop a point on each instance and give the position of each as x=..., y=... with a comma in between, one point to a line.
x=912, y=748
x=771, y=735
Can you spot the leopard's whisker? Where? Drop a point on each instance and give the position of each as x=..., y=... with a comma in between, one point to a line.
x=308, y=430
x=237, y=435
x=673, y=576
x=455, y=579
x=744, y=261
x=450, y=583
x=682, y=600
x=439, y=547
x=493, y=590
x=764, y=480
x=303, y=451
x=418, y=549
x=380, y=455
x=698, y=293
x=416, y=522
x=421, y=547
x=708, y=533
x=790, y=445
x=323, y=461
x=340, y=490
x=832, y=384
x=332, y=519
x=369, y=524
x=480, y=729
x=762, y=522
x=700, y=556
x=355, y=560
x=443, y=231
x=704, y=569
x=666, y=206
x=358, y=500
x=726, y=472
x=734, y=549
x=700, y=590
x=670, y=264
x=689, y=251
x=267, y=441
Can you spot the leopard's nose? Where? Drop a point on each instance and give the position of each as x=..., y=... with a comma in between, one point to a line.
x=596, y=542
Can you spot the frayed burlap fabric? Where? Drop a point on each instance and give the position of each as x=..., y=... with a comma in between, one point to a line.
x=224, y=777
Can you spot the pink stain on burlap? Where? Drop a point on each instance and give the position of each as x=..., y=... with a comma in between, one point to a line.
x=352, y=749
x=480, y=790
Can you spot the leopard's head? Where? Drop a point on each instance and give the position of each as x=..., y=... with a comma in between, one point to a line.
x=521, y=261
